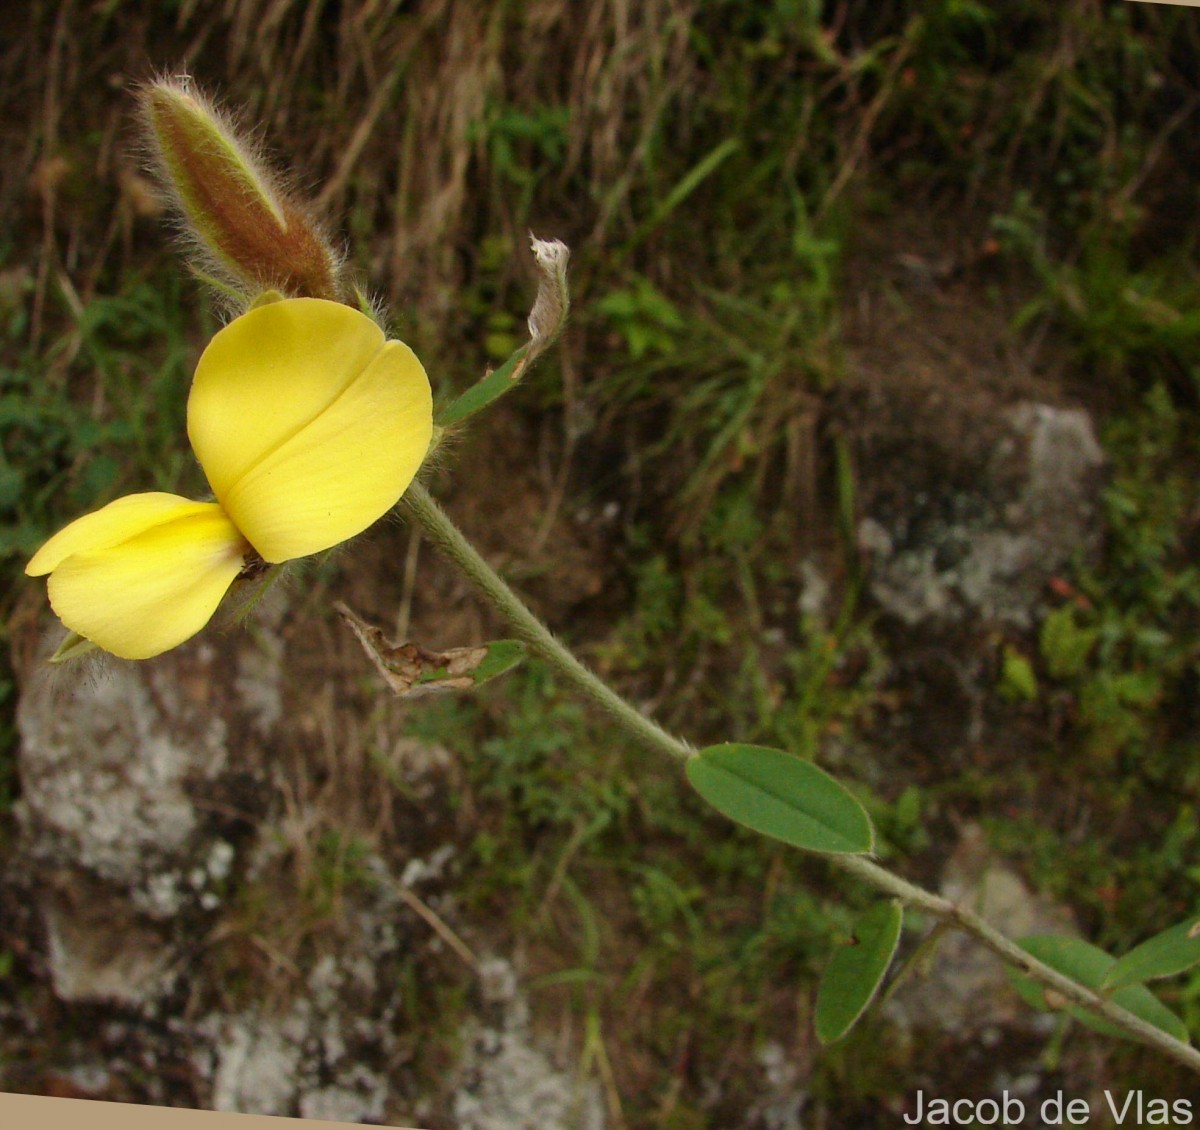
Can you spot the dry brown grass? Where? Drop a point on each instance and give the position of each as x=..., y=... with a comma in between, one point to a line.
x=379, y=109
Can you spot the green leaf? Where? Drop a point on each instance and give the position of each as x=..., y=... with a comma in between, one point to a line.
x=856, y=971
x=1090, y=966
x=695, y=176
x=502, y=655
x=1065, y=645
x=1017, y=679
x=485, y=391
x=1164, y=955
x=546, y=321
x=781, y=796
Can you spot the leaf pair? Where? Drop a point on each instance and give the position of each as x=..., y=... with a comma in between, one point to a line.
x=789, y=799
x=1121, y=980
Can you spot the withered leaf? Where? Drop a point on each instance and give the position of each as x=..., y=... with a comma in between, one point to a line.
x=412, y=670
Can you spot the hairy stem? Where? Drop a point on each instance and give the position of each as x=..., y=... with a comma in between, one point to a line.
x=1007, y=950
x=440, y=530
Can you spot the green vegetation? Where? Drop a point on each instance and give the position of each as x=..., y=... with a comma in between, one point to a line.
x=96, y=411
x=725, y=178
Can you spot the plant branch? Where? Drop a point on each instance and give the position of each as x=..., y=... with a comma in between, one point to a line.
x=1007, y=950
x=440, y=530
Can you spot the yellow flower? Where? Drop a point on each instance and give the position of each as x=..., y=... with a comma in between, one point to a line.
x=309, y=427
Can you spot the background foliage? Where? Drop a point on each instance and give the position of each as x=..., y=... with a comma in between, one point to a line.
x=732, y=178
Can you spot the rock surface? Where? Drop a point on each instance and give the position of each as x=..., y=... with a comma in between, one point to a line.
x=975, y=506
x=507, y=1082
x=967, y=990
x=124, y=773
x=150, y=807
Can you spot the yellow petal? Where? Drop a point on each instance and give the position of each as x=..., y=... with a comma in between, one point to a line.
x=150, y=592
x=308, y=425
x=110, y=526
x=269, y=373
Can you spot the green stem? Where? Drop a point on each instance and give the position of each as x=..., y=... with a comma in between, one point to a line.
x=449, y=539
x=440, y=530
x=1005, y=948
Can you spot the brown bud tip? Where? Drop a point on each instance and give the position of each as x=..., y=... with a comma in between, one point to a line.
x=249, y=229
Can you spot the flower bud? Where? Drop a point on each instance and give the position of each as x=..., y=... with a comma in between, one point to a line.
x=249, y=231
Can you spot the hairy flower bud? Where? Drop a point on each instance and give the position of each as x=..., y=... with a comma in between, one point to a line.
x=249, y=231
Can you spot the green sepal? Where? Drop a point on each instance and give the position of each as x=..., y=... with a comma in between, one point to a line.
x=71, y=648
x=267, y=298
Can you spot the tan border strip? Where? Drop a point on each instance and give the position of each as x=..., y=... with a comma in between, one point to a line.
x=1176, y=3
x=19, y=1112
